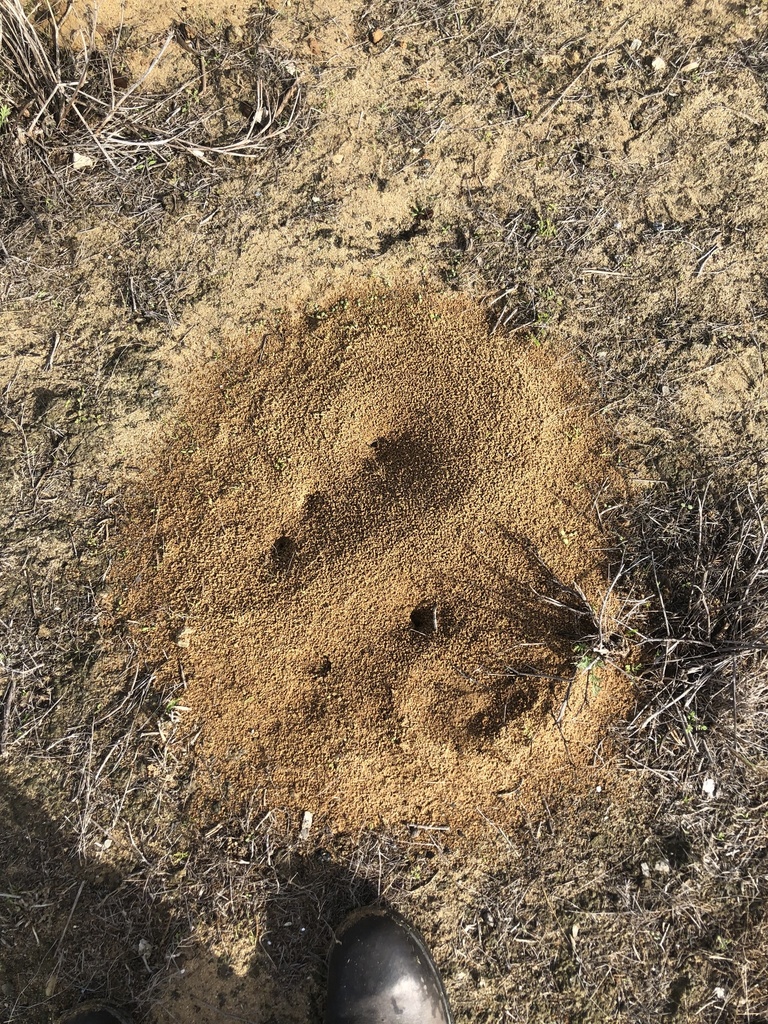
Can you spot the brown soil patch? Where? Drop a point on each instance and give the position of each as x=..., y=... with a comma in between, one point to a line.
x=346, y=547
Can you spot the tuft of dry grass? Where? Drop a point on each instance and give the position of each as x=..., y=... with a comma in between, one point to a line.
x=448, y=20
x=73, y=120
x=705, y=555
x=82, y=94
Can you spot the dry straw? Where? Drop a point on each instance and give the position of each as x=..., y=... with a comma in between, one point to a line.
x=77, y=97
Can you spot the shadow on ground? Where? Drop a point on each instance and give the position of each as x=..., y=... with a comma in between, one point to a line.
x=74, y=929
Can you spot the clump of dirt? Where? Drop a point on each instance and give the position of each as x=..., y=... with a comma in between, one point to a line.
x=368, y=544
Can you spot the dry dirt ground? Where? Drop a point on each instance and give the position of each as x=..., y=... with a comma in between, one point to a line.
x=552, y=214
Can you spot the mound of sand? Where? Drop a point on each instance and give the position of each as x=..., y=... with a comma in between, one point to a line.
x=358, y=542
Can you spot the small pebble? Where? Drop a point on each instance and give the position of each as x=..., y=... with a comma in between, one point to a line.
x=80, y=161
x=183, y=637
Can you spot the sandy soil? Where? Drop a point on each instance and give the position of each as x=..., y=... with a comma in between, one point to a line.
x=192, y=418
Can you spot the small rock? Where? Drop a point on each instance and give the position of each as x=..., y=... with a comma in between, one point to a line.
x=659, y=65
x=662, y=867
x=635, y=45
x=708, y=787
x=645, y=869
x=183, y=637
x=80, y=161
x=233, y=33
x=338, y=158
x=376, y=35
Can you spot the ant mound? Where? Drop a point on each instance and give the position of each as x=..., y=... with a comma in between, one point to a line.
x=368, y=544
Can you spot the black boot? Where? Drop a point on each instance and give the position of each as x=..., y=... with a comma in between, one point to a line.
x=381, y=972
x=95, y=1013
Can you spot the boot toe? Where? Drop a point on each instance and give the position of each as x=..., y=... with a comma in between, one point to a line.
x=95, y=1013
x=381, y=972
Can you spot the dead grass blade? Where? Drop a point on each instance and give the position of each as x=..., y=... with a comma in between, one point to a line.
x=704, y=555
x=69, y=100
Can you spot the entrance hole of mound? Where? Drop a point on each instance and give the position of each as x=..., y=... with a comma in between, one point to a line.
x=380, y=567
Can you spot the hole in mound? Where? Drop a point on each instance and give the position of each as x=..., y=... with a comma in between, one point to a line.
x=283, y=554
x=480, y=486
x=322, y=668
x=424, y=620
